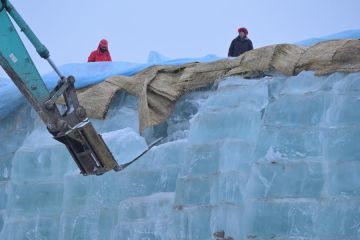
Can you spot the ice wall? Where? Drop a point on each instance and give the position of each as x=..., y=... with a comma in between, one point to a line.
x=275, y=158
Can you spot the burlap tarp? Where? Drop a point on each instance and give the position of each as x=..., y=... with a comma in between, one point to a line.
x=159, y=87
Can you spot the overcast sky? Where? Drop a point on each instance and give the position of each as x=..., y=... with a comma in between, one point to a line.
x=71, y=29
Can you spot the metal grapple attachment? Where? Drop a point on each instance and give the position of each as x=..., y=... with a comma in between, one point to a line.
x=73, y=129
x=88, y=149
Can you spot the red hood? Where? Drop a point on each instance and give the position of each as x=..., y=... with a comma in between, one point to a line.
x=103, y=43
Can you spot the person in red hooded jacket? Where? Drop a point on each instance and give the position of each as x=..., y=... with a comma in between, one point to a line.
x=101, y=54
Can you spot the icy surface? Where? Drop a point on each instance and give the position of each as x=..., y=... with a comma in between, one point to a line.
x=155, y=58
x=355, y=33
x=274, y=158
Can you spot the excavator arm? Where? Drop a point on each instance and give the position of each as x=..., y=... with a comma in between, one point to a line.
x=70, y=127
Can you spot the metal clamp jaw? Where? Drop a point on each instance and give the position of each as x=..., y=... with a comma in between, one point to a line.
x=73, y=129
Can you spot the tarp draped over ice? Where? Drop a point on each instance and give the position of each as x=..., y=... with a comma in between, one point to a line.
x=88, y=74
x=159, y=87
x=331, y=56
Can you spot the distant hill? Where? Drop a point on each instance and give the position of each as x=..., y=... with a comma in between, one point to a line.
x=341, y=35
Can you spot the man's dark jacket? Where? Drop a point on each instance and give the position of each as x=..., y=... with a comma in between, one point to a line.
x=239, y=45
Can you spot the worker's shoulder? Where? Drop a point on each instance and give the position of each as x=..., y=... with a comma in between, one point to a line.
x=235, y=40
x=93, y=53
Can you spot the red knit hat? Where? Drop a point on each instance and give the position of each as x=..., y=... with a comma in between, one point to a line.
x=244, y=30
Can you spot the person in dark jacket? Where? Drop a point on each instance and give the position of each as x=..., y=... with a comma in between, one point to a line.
x=101, y=54
x=240, y=44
